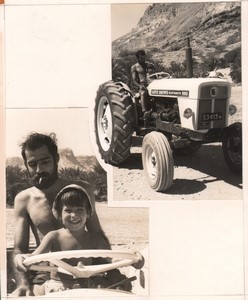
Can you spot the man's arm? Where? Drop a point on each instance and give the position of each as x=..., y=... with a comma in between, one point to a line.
x=93, y=223
x=21, y=243
x=134, y=76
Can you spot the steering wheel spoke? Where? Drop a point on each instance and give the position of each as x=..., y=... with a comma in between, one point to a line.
x=158, y=75
x=120, y=259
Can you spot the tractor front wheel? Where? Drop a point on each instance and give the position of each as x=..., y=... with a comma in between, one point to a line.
x=157, y=161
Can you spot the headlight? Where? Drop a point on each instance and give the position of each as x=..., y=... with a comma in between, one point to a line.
x=187, y=113
x=232, y=109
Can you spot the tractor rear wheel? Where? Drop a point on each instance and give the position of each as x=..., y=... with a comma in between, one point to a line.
x=232, y=149
x=157, y=161
x=114, y=118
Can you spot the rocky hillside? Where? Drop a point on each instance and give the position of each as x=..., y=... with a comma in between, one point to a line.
x=67, y=160
x=164, y=28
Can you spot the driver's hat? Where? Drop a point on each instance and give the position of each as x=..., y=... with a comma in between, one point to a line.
x=56, y=204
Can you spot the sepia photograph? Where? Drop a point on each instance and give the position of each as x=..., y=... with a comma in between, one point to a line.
x=123, y=172
x=56, y=198
x=170, y=121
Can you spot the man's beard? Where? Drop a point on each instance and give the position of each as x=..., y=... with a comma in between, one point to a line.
x=44, y=180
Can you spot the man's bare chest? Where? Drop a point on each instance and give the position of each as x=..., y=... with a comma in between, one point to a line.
x=140, y=70
x=40, y=213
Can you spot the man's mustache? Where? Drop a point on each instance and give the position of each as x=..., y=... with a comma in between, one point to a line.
x=38, y=178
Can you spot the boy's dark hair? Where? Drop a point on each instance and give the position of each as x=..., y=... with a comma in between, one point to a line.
x=140, y=52
x=72, y=195
x=37, y=140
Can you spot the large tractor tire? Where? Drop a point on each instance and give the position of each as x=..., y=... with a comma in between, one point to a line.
x=157, y=161
x=114, y=119
x=232, y=149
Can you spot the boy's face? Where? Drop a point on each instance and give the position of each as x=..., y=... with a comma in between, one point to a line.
x=74, y=217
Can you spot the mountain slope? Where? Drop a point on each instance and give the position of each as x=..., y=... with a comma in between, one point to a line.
x=67, y=160
x=164, y=28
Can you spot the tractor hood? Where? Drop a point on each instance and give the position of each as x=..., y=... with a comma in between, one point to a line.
x=192, y=88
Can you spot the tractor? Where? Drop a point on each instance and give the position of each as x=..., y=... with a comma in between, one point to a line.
x=183, y=114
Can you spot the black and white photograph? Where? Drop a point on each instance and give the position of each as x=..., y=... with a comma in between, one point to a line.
x=170, y=122
x=123, y=166
x=56, y=158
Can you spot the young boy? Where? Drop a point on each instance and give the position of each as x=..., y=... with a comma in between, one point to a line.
x=72, y=207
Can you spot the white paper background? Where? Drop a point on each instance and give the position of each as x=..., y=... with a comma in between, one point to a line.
x=197, y=248
x=56, y=56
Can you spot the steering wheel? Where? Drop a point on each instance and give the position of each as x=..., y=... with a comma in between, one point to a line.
x=158, y=75
x=121, y=258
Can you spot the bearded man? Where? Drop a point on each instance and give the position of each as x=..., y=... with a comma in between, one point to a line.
x=33, y=206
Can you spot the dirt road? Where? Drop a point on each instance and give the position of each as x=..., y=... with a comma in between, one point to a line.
x=203, y=176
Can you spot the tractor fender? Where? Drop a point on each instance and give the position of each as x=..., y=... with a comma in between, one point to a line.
x=125, y=86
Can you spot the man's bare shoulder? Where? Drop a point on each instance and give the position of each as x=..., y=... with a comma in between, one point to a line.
x=133, y=68
x=24, y=195
x=22, y=200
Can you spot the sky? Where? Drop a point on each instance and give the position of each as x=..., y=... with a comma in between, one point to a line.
x=70, y=126
x=124, y=17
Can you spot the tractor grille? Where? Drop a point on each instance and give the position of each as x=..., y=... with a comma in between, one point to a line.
x=212, y=91
x=212, y=113
x=212, y=105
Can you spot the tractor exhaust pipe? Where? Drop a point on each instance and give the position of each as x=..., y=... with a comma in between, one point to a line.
x=189, y=60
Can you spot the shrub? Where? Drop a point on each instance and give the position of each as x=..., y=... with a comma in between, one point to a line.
x=175, y=47
x=220, y=48
x=233, y=56
x=211, y=44
x=16, y=181
x=97, y=178
x=211, y=61
x=176, y=70
x=233, y=59
x=233, y=39
x=236, y=73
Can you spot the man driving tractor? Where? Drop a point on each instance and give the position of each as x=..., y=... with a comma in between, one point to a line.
x=139, y=72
